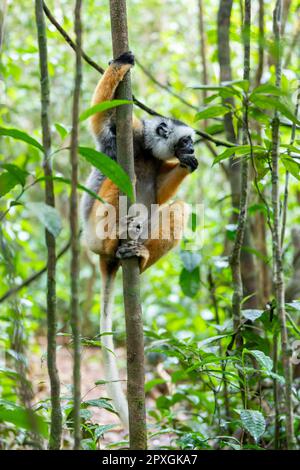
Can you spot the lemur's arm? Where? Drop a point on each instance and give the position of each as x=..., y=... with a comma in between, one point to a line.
x=171, y=176
x=106, y=88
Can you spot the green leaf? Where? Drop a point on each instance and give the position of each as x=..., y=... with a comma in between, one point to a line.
x=224, y=155
x=190, y=260
x=16, y=171
x=22, y=418
x=101, y=107
x=102, y=429
x=47, y=215
x=291, y=166
x=20, y=135
x=7, y=182
x=269, y=102
x=265, y=89
x=254, y=422
x=99, y=403
x=88, y=444
x=109, y=168
x=252, y=314
x=190, y=281
x=211, y=112
x=63, y=132
x=265, y=361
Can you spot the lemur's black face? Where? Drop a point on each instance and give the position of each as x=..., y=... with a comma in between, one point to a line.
x=184, y=146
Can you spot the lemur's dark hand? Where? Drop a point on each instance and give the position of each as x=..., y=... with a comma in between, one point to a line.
x=123, y=59
x=188, y=161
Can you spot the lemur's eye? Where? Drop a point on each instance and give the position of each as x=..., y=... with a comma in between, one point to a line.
x=162, y=130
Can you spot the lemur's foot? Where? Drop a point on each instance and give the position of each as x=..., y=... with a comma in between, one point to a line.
x=132, y=226
x=132, y=248
x=188, y=161
x=124, y=59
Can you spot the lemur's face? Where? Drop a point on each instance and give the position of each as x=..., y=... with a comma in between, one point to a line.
x=168, y=138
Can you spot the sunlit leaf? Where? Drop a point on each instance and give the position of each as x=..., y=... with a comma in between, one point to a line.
x=20, y=135
x=109, y=168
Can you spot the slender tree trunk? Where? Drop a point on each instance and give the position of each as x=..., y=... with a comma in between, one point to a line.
x=277, y=252
x=261, y=41
x=235, y=260
x=286, y=186
x=131, y=272
x=56, y=414
x=248, y=268
x=2, y=21
x=74, y=227
x=203, y=47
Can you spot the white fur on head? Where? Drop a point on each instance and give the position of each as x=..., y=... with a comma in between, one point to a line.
x=164, y=148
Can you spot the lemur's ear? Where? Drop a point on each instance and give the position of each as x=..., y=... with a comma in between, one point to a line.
x=163, y=130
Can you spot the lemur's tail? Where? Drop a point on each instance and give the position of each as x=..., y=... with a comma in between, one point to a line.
x=113, y=386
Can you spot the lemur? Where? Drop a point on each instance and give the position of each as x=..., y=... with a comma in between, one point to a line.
x=163, y=157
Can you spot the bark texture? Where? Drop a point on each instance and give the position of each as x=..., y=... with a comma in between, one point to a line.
x=276, y=241
x=74, y=227
x=56, y=414
x=131, y=272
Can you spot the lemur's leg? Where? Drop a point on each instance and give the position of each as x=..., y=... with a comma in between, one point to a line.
x=106, y=88
x=102, y=224
x=169, y=225
x=171, y=176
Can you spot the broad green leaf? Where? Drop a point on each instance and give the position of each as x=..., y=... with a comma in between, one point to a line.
x=224, y=155
x=7, y=182
x=265, y=361
x=295, y=305
x=63, y=132
x=190, y=282
x=291, y=166
x=190, y=259
x=254, y=422
x=252, y=314
x=211, y=112
x=101, y=107
x=20, y=135
x=270, y=102
x=47, y=215
x=239, y=150
x=22, y=418
x=99, y=403
x=16, y=171
x=267, y=88
x=109, y=168
x=102, y=429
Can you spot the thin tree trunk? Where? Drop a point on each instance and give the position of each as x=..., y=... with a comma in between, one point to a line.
x=277, y=252
x=56, y=414
x=261, y=41
x=286, y=186
x=235, y=260
x=248, y=265
x=2, y=21
x=203, y=47
x=131, y=272
x=74, y=227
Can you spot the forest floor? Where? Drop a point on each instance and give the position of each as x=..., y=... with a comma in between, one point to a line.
x=91, y=371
